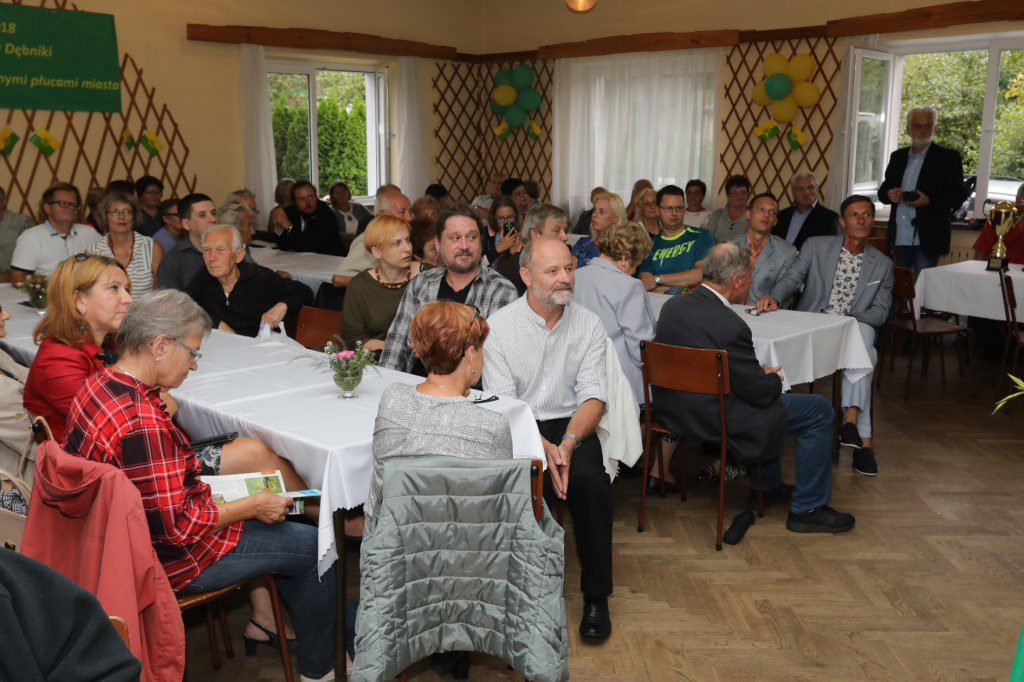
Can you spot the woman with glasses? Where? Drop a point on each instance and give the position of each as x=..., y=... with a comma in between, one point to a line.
x=168, y=235
x=138, y=254
x=608, y=211
x=150, y=191
x=645, y=210
x=502, y=227
x=731, y=221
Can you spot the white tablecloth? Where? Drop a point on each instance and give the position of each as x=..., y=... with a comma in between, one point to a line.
x=967, y=289
x=312, y=269
x=258, y=390
x=808, y=346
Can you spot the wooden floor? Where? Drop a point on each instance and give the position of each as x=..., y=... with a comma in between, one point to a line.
x=928, y=586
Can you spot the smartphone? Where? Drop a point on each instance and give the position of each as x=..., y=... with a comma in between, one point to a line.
x=507, y=226
x=214, y=440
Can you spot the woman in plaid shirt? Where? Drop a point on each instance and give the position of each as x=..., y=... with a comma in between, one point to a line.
x=118, y=418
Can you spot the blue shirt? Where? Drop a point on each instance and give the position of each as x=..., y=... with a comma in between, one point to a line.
x=585, y=251
x=906, y=235
x=677, y=254
x=797, y=222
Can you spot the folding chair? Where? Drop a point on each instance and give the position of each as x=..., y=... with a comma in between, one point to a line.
x=692, y=370
x=1014, y=335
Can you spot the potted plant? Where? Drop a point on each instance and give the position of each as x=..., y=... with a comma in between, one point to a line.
x=35, y=287
x=346, y=365
x=1020, y=391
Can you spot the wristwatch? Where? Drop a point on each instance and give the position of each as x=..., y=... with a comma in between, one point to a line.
x=575, y=438
x=657, y=280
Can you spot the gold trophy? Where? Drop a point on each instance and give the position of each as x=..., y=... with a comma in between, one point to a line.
x=1002, y=217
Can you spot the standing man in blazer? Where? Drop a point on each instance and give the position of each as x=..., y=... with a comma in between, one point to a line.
x=925, y=184
x=758, y=414
x=806, y=218
x=844, y=275
x=772, y=255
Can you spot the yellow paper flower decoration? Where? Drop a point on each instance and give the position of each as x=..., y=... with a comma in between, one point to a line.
x=785, y=87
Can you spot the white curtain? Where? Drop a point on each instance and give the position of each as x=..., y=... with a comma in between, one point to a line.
x=837, y=187
x=412, y=174
x=621, y=118
x=257, y=131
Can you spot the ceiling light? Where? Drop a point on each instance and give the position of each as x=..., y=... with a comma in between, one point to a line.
x=581, y=5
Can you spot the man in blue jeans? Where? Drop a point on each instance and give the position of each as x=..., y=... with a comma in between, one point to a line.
x=758, y=414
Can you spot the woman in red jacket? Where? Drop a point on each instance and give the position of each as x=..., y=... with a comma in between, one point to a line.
x=87, y=298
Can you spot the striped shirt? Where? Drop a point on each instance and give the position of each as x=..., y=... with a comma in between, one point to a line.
x=140, y=267
x=555, y=370
x=489, y=292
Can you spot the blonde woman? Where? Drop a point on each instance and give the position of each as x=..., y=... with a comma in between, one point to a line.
x=608, y=211
x=645, y=211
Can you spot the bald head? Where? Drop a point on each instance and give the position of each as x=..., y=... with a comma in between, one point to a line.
x=394, y=204
x=594, y=192
x=642, y=184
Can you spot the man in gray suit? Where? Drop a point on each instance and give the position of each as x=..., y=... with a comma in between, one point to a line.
x=772, y=255
x=844, y=275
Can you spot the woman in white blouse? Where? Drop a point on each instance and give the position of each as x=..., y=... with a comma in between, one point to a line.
x=119, y=213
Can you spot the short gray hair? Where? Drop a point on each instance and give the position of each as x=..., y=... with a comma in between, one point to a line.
x=381, y=204
x=231, y=214
x=724, y=261
x=931, y=111
x=116, y=197
x=164, y=311
x=236, y=237
x=526, y=255
x=804, y=174
x=244, y=192
x=537, y=217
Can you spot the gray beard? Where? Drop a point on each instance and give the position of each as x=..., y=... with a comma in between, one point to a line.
x=462, y=270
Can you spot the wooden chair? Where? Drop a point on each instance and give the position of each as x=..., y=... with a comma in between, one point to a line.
x=122, y=629
x=316, y=327
x=536, y=497
x=1014, y=335
x=213, y=600
x=927, y=327
x=693, y=370
x=882, y=244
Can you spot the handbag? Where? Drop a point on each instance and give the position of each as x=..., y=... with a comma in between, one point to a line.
x=12, y=524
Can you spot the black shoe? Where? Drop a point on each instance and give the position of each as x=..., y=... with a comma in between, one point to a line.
x=460, y=671
x=445, y=662
x=864, y=462
x=848, y=436
x=779, y=495
x=596, y=622
x=654, y=486
x=824, y=519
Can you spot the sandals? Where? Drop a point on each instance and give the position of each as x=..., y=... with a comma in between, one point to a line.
x=273, y=641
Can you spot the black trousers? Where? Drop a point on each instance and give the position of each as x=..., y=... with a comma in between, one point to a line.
x=589, y=501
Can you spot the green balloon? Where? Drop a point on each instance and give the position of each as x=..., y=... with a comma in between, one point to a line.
x=515, y=116
x=778, y=86
x=529, y=99
x=503, y=77
x=497, y=109
x=522, y=77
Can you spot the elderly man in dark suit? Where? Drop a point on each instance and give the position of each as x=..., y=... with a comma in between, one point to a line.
x=758, y=413
x=925, y=184
x=772, y=255
x=806, y=218
x=844, y=275
x=309, y=224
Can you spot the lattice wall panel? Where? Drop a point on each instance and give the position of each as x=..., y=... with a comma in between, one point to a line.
x=770, y=165
x=469, y=151
x=92, y=152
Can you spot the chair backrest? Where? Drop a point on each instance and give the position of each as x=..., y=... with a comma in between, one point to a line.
x=693, y=370
x=41, y=430
x=880, y=243
x=903, y=290
x=316, y=327
x=122, y=629
x=1009, y=301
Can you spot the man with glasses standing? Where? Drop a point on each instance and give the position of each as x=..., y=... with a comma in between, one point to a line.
x=925, y=184
x=41, y=248
x=674, y=260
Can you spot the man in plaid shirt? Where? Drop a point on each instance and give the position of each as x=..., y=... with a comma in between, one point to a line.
x=463, y=280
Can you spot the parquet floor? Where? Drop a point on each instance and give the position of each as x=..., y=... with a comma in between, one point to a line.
x=928, y=586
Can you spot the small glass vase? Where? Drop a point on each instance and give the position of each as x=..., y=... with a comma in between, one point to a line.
x=348, y=383
x=38, y=301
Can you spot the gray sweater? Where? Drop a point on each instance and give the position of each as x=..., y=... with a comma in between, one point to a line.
x=413, y=424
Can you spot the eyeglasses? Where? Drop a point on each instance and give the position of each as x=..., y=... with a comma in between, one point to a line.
x=196, y=355
x=739, y=193
x=65, y=204
x=124, y=212
x=171, y=215
x=154, y=192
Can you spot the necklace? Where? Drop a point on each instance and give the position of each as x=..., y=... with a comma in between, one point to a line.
x=123, y=371
x=425, y=380
x=110, y=243
x=397, y=285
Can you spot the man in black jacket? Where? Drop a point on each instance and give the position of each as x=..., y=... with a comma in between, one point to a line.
x=758, y=413
x=805, y=218
x=925, y=184
x=308, y=224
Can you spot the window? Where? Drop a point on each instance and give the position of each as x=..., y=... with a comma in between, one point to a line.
x=977, y=85
x=330, y=124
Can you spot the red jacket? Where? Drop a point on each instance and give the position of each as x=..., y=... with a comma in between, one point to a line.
x=86, y=520
x=57, y=372
x=1014, y=241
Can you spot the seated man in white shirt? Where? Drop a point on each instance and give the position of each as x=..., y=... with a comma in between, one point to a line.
x=41, y=248
x=482, y=203
x=550, y=352
x=389, y=202
x=844, y=275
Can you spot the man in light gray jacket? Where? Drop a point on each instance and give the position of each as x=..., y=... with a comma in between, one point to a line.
x=772, y=255
x=844, y=275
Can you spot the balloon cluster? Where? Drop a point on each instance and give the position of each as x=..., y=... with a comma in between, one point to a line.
x=514, y=95
x=785, y=87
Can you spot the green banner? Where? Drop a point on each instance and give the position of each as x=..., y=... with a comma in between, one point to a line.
x=58, y=59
